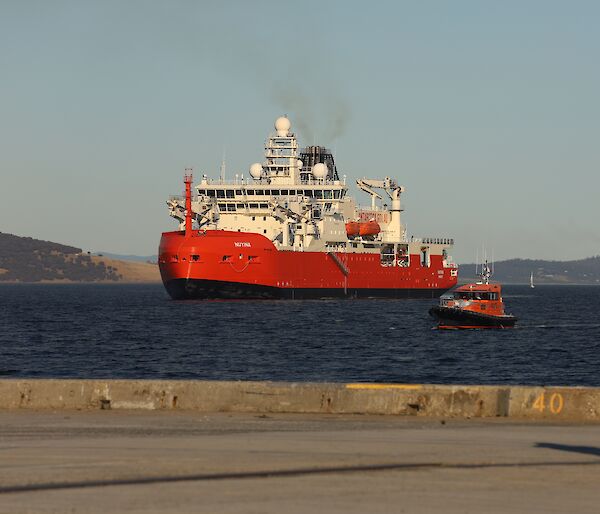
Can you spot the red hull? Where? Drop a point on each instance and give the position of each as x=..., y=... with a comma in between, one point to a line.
x=223, y=264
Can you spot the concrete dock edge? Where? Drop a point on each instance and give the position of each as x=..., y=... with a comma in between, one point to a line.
x=466, y=401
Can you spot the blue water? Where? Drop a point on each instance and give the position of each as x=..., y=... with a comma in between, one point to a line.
x=136, y=331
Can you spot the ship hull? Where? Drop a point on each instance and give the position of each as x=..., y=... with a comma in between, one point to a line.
x=198, y=289
x=449, y=317
x=235, y=265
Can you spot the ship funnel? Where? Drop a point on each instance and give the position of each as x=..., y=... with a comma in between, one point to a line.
x=311, y=156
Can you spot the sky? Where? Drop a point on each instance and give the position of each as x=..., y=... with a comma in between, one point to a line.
x=488, y=113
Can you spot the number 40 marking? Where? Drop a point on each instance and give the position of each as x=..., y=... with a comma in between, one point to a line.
x=555, y=404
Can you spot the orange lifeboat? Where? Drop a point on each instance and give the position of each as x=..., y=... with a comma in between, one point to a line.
x=352, y=228
x=369, y=228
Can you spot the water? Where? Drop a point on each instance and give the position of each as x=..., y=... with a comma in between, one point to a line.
x=136, y=331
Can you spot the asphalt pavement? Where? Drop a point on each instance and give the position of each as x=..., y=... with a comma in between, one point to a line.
x=179, y=462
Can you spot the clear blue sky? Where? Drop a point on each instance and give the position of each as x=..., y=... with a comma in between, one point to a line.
x=487, y=112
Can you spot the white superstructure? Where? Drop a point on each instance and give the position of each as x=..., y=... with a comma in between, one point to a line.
x=303, y=206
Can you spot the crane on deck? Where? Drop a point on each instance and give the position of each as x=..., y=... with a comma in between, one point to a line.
x=389, y=185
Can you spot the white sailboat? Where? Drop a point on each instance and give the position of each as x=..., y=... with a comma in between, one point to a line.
x=531, y=280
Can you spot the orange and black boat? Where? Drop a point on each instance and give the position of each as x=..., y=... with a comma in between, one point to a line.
x=477, y=305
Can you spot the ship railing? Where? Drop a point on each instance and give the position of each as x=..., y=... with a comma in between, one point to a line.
x=433, y=240
x=368, y=208
x=322, y=182
x=251, y=182
x=222, y=182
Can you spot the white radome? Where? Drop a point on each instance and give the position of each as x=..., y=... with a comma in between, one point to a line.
x=256, y=170
x=319, y=170
x=282, y=126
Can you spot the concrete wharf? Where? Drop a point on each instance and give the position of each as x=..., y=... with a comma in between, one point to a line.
x=96, y=446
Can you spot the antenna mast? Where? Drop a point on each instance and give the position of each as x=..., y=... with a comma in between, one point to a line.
x=223, y=166
x=187, y=179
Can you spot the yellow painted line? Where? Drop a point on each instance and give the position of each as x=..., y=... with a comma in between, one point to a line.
x=384, y=386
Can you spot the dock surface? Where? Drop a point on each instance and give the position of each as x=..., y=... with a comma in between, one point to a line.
x=169, y=461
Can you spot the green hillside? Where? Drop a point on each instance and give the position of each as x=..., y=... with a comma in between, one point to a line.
x=518, y=271
x=23, y=259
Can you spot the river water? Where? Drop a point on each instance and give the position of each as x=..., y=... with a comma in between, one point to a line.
x=136, y=331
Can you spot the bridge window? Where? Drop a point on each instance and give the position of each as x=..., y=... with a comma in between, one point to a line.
x=220, y=193
x=240, y=205
x=229, y=193
x=284, y=192
x=336, y=193
x=211, y=193
x=318, y=194
x=328, y=194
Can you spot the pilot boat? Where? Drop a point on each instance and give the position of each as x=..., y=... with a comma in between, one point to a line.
x=477, y=305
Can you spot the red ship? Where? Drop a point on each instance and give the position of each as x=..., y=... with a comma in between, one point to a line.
x=291, y=231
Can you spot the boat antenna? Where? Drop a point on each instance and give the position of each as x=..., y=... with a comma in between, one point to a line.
x=223, y=165
x=486, y=273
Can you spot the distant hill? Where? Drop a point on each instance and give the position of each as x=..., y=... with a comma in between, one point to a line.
x=23, y=259
x=517, y=271
x=136, y=258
